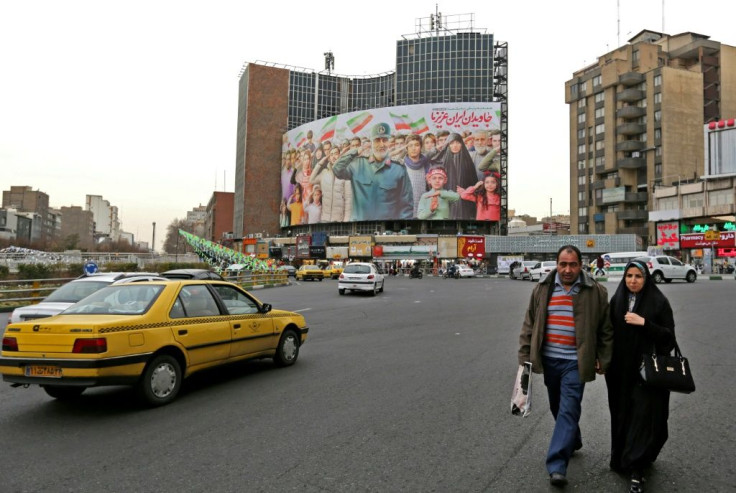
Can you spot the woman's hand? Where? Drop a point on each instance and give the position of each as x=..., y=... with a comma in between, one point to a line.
x=633, y=319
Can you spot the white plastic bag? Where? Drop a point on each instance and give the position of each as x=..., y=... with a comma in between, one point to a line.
x=521, y=397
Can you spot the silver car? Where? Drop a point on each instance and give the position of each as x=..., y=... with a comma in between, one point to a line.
x=75, y=290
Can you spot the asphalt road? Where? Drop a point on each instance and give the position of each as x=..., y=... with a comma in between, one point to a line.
x=405, y=391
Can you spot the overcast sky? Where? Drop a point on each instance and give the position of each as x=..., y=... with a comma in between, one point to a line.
x=136, y=101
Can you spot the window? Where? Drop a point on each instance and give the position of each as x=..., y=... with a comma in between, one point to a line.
x=658, y=151
x=642, y=103
x=600, y=161
x=721, y=197
x=583, y=228
x=597, y=80
x=657, y=98
x=600, y=128
x=657, y=134
x=581, y=133
x=581, y=196
x=581, y=118
x=658, y=170
x=692, y=201
x=581, y=181
x=657, y=80
x=196, y=301
x=583, y=211
x=600, y=112
x=581, y=149
x=667, y=204
x=599, y=97
x=581, y=103
x=581, y=163
x=599, y=145
x=658, y=116
x=635, y=57
x=582, y=88
x=236, y=302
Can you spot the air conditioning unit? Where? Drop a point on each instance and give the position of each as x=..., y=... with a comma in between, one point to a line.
x=259, y=235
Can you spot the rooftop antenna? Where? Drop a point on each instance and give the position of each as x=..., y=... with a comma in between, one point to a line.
x=435, y=20
x=618, y=23
x=329, y=62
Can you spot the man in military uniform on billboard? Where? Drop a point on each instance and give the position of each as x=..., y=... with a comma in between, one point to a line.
x=381, y=186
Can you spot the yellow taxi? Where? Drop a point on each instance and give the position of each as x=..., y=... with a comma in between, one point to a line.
x=150, y=335
x=309, y=272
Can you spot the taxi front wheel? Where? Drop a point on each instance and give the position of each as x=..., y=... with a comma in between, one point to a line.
x=288, y=350
x=161, y=381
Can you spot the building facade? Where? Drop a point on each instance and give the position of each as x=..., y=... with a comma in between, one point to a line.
x=77, y=221
x=34, y=205
x=636, y=122
x=456, y=63
x=219, y=216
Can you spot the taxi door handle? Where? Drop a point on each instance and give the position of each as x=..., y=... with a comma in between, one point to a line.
x=183, y=332
x=236, y=326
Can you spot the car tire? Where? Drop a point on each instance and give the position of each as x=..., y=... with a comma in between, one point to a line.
x=341, y=291
x=691, y=276
x=161, y=380
x=63, y=392
x=288, y=349
x=382, y=283
x=658, y=277
x=320, y=279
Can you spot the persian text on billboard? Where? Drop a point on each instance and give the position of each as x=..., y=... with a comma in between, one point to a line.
x=429, y=162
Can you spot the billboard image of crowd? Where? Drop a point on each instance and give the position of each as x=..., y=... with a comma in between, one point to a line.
x=427, y=162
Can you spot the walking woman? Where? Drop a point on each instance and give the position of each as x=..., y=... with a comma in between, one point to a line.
x=642, y=320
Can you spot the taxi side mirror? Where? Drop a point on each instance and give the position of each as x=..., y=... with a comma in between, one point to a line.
x=266, y=307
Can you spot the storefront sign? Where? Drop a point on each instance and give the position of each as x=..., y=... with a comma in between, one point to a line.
x=668, y=235
x=721, y=239
x=471, y=246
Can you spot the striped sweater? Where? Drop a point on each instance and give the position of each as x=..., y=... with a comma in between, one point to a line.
x=559, y=335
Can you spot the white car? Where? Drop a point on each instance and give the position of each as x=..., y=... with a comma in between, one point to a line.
x=665, y=268
x=465, y=271
x=521, y=271
x=361, y=276
x=73, y=291
x=540, y=271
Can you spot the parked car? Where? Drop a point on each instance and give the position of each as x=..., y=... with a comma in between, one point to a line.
x=666, y=268
x=149, y=335
x=361, y=276
x=541, y=269
x=465, y=271
x=290, y=270
x=521, y=271
x=73, y=291
x=309, y=272
x=192, y=274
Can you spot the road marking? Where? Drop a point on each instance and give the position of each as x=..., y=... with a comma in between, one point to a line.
x=303, y=310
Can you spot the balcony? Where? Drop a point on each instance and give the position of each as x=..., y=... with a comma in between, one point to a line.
x=636, y=197
x=630, y=95
x=630, y=145
x=631, y=163
x=631, y=128
x=633, y=215
x=630, y=78
x=598, y=184
x=631, y=112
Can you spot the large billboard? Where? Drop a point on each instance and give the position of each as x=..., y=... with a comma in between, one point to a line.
x=720, y=147
x=429, y=161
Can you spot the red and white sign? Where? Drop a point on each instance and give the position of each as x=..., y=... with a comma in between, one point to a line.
x=720, y=239
x=668, y=235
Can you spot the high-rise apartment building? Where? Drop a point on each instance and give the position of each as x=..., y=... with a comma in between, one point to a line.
x=636, y=122
x=446, y=61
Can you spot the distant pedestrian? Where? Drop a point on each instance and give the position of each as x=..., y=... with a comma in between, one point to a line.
x=599, y=264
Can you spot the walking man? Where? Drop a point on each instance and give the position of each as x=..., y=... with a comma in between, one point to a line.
x=567, y=335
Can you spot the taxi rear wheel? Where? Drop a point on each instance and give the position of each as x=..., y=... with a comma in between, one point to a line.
x=161, y=381
x=62, y=392
x=288, y=350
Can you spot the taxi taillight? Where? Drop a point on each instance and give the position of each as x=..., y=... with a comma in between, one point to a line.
x=97, y=345
x=370, y=276
x=10, y=344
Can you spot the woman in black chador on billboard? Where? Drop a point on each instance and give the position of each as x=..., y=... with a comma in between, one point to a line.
x=642, y=320
x=458, y=164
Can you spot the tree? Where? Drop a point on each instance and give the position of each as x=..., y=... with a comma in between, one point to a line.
x=173, y=242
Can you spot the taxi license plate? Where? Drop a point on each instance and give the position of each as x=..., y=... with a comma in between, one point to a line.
x=43, y=371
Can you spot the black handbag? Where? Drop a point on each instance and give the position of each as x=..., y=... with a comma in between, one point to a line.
x=668, y=372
